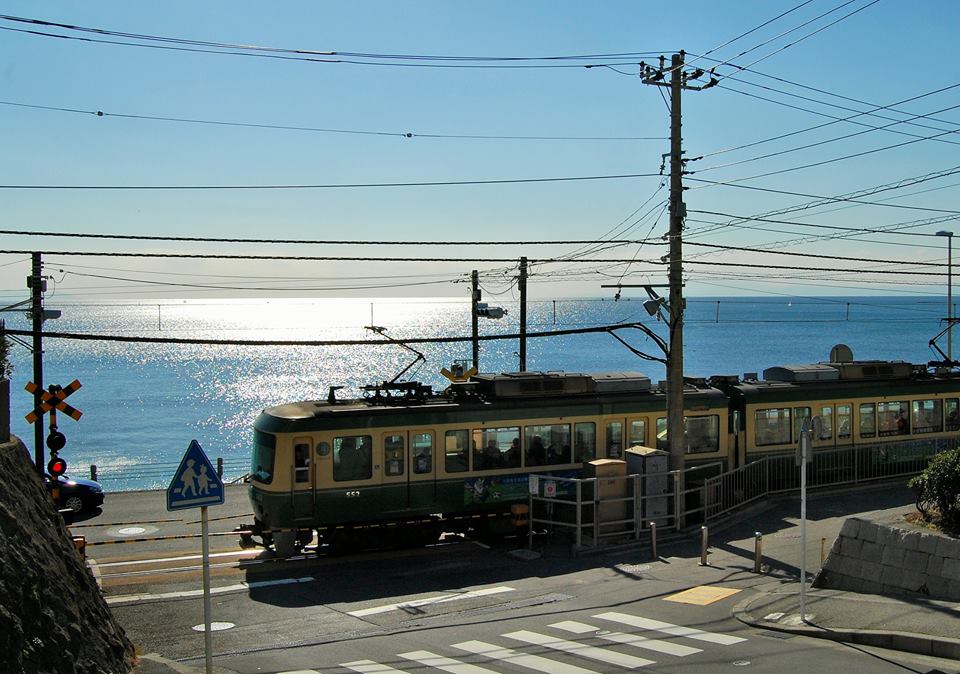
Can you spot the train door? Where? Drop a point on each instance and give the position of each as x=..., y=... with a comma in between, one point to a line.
x=613, y=438
x=303, y=480
x=827, y=437
x=408, y=470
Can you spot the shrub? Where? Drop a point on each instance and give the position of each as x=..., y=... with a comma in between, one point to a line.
x=938, y=488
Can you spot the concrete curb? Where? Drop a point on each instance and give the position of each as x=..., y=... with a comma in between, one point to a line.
x=922, y=644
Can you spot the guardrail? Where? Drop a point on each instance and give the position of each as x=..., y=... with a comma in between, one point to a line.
x=157, y=475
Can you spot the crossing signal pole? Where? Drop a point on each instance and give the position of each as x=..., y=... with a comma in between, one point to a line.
x=679, y=80
x=37, y=284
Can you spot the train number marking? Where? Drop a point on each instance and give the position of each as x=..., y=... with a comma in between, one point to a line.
x=353, y=494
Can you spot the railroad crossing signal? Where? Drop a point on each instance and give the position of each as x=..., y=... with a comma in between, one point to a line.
x=54, y=400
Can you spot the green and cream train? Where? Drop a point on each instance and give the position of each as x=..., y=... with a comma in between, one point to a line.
x=406, y=462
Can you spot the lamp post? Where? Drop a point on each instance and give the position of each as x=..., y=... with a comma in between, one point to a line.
x=949, y=236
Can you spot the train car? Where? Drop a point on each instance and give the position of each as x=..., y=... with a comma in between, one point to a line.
x=894, y=405
x=418, y=461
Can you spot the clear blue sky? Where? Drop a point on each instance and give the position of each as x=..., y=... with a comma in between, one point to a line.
x=886, y=53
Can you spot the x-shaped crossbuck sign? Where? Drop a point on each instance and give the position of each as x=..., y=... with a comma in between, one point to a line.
x=49, y=402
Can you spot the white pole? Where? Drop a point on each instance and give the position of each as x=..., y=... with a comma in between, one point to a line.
x=204, y=534
x=804, y=448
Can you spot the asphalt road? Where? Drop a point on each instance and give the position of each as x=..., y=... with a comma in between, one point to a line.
x=465, y=607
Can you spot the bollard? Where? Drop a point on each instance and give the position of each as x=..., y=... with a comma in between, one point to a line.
x=703, y=546
x=653, y=540
x=93, y=472
x=80, y=543
x=823, y=553
x=220, y=466
x=757, y=552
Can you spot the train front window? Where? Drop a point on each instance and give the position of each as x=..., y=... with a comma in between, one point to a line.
x=868, y=420
x=352, y=458
x=927, y=416
x=892, y=418
x=456, y=450
x=547, y=445
x=264, y=453
x=703, y=434
x=585, y=441
x=772, y=427
x=393, y=455
x=422, y=445
x=951, y=406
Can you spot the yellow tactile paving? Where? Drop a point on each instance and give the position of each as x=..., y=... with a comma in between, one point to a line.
x=702, y=595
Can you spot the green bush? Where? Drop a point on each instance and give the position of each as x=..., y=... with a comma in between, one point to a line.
x=938, y=488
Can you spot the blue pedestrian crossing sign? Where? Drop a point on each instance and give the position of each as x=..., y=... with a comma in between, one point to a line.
x=196, y=483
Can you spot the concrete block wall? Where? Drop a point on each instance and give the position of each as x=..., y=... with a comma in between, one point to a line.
x=880, y=559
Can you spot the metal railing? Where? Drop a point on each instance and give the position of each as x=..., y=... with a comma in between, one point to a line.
x=157, y=475
x=632, y=507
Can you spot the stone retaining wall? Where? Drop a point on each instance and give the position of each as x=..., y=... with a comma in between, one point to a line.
x=880, y=559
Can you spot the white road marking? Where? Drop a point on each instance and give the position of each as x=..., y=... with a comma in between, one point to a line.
x=668, y=628
x=439, y=599
x=629, y=639
x=520, y=659
x=583, y=650
x=446, y=664
x=240, y=587
x=371, y=667
x=300, y=671
x=135, y=562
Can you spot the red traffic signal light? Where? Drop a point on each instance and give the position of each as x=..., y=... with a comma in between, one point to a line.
x=57, y=467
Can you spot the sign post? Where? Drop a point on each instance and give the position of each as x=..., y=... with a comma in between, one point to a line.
x=809, y=429
x=197, y=485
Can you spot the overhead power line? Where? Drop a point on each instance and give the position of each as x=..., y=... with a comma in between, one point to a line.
x=314, y=129
x=431, y=183
x=319, y=242
x=813, y=255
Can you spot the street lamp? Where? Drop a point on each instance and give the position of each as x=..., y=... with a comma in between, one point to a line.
x=949, y=236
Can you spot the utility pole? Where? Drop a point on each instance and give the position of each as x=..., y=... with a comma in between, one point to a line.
x=678, y=211
x=474, y=319
x=523, y=314
x=37, y=285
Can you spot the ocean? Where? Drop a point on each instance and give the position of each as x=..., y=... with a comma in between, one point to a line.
x=142, y=404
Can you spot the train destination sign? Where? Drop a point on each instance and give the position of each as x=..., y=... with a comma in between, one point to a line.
x=196, y=483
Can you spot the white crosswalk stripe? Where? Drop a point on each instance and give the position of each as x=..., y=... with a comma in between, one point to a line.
x=583, y=650
x=371, y=667
x=636, y=640
x=446, y=664
x=669, y=628
x=534, y=662
x=300, y=671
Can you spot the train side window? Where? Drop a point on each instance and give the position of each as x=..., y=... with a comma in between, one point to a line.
x=422, y=445
x=662, y=441
x=614, y=439
x=495, y=448
x=952, y=408
x=637, y=432
x=799, y=414
x=585, y=441
x=844, y=416
x=892, y=418
x=826, y=423
x=703, y=434
x=772, y=426
x=927, y=416
x=868, y=420
x=393, y=455
x=264, y=452
x=456, y=450
x=352, y=458
x=547, y=445
x=301, y=462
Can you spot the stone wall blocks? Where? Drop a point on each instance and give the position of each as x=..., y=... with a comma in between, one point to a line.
x=850, y=547
x=851, y=527
x=892, y=556
x=928, y=543
x=914, y=560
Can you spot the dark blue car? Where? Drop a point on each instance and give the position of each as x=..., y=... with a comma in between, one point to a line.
x=76, y=494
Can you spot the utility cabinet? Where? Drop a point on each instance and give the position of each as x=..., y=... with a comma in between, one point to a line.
x=653, y=467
